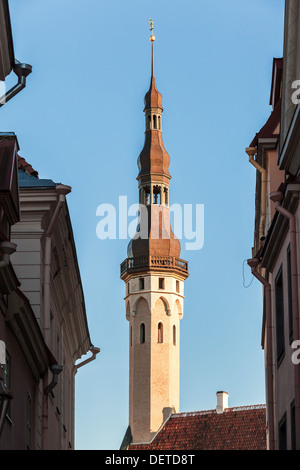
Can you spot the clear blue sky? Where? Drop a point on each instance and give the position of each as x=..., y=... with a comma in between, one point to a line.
x=80, y=121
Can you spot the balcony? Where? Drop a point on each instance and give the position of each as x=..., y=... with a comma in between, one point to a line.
x=170, y=263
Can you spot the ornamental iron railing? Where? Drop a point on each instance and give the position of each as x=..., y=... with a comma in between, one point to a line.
x=159, y=262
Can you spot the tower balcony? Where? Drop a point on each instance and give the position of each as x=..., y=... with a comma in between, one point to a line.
x=154, y=263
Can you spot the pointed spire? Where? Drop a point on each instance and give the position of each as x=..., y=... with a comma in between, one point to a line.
x=152, y=71
x=153, y=98
x=152, y=39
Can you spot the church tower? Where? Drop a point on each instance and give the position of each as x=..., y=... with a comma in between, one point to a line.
x=154, y=276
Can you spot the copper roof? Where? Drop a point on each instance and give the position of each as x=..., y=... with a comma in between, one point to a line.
x=238, y=428
x=154, y=159
x=153, y=162
x=153, y=98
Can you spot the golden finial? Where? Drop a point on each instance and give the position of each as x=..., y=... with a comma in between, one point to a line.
x=152, y=37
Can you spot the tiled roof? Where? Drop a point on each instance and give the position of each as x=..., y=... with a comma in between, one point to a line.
x=240, y=428
x=269, y=128
x=25, y=166
x=29, y=177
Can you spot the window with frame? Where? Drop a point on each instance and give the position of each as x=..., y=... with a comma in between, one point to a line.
x=174, y=335
x=142, y=283
x=289, y=292
x=6, y=376
x=161, y=283
x=28, y=422
x=282, y=442
x=279, y=313
x=142, y=333
x=293, y=426
x=160, y=333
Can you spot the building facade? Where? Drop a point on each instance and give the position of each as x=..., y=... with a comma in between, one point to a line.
x=275, y=255
x=154, y=278
x=43, y=323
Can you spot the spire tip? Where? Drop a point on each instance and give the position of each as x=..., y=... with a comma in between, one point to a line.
x=152, y=37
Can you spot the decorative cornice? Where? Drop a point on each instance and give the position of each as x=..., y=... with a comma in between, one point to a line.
x=279, y=227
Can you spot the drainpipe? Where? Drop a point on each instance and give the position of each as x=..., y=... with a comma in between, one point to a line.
x=94, y=352
x=277, y=198
x=62, y=191
x=7, y=248
x=22, y=71
x=253, y=263
x=251, y=152
x=56, y=369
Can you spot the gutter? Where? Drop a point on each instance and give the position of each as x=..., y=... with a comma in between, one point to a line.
x=277, y=198
x=94, y=352
x=251, y=152
x=254, y=263
x=56, y=369
x=22, y=71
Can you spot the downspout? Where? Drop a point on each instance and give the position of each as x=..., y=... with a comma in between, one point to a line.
x=7, y=248
x=22, y=71
x=251, y=152
x=62, y=191
x=56, y=369
x=253, y=263
x=277, y=198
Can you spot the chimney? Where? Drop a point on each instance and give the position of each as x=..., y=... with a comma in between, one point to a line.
x=222, y=401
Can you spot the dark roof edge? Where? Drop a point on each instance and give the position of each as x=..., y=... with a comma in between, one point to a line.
x=9, y=30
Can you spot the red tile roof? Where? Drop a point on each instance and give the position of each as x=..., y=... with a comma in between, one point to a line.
x=25, y=166
x=269, y=128
x=240, y=428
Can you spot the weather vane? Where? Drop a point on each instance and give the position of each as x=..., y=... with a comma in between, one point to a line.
x=152, y=37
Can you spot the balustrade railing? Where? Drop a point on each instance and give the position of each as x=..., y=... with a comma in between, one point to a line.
x=161, y=262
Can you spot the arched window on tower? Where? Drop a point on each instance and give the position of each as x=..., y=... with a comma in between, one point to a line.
x=142, y=333
x=147, y=195
x=160, y=333
x=156, y=194
x=159, y=122
x=154, y=122
x=166, y=196
x=148, y=123
x=174, y=335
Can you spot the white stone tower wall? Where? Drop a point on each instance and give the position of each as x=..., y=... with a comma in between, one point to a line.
x=154, y=365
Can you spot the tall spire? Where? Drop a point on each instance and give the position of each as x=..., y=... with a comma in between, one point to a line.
x=152, y=71
x=153, y=98
x=154, y=179
x=152, y=39
x=154, y=275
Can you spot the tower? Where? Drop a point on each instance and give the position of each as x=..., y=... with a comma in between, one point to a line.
x=154, y=276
